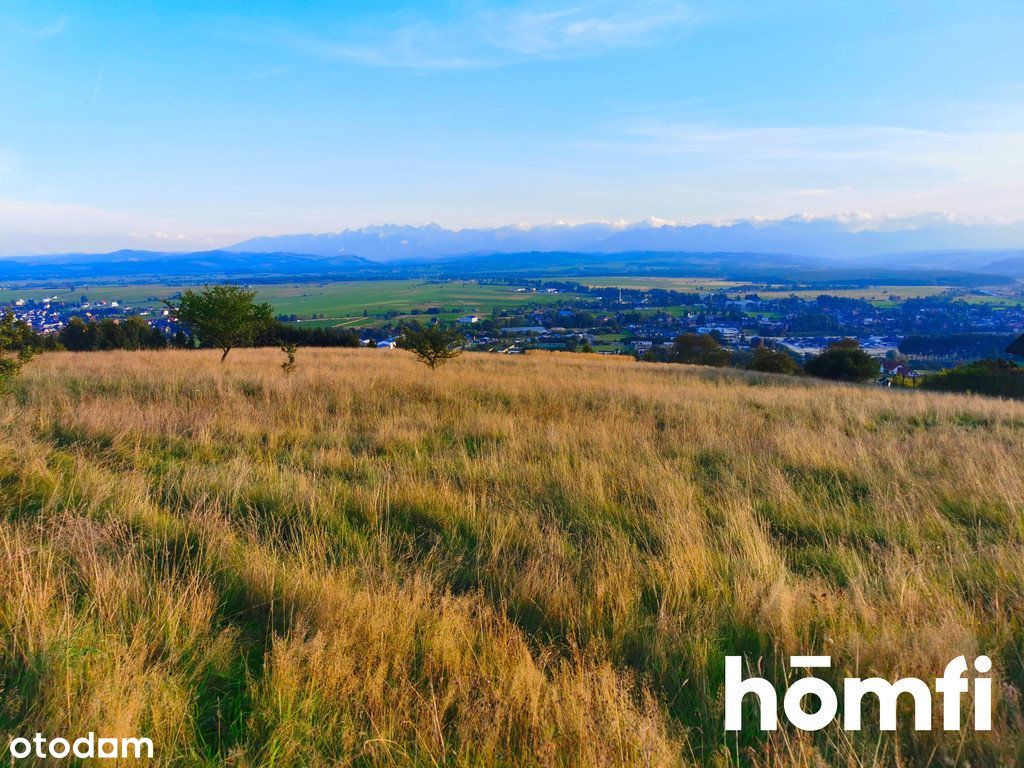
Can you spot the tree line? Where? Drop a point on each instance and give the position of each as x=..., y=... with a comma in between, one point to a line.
x=222, y=316
x=845, y=361
x=956, y=345
x=840, y=361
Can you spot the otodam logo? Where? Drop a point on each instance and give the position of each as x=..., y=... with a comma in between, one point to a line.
x=84, y=747
x=951, y=686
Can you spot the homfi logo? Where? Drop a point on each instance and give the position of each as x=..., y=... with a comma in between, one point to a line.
x=951, y=687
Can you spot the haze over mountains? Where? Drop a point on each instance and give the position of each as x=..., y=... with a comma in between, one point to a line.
x=790, y=249
x=830, y=238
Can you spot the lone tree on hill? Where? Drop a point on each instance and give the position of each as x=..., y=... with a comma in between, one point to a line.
x=772, y=361
x=701, y=349
x=224, y=316
x=17, y=346
x=843, y=361
x=432, y=344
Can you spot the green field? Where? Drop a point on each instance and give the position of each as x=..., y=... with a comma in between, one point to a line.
x=688, y=284
x=872, y=293
x=130, y=294
x=349, y=300
x=340, y=303
x=343, y=304
x=764, y=290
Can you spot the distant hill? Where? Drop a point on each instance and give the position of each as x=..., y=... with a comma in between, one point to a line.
x=821, y=238
x=154, y=265
x=1011, y=265
x=275, y=266
x=1001, y=261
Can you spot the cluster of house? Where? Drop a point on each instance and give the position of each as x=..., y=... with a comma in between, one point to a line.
x=49, y=315
x=893, y=371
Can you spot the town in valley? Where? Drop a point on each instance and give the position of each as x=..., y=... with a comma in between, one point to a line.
x=910, y=328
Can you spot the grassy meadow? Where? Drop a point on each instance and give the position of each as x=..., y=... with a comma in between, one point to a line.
x=534, y=561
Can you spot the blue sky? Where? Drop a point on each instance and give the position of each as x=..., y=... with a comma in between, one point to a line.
x=179, y=125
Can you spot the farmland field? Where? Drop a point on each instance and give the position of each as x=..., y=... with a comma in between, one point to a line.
x=342, y=303
x=688, y=284
x=765, y=291
x=514, y=561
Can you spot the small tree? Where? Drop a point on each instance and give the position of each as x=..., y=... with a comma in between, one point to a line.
x=77, y=335
x=17, y=346
x=698, y=349
x=289, y=350
x=223, y=316
x=772, y=361
x=432, y=344
x=843, y=361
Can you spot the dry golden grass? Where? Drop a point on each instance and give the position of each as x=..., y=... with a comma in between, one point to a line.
x=538, y=561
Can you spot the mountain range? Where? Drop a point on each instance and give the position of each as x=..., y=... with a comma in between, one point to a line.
x=841, y=238
x=940, y=248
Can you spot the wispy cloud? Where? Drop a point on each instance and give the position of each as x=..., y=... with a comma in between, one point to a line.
x=574, y=31
x=34, y=226
x=967, y=152
x=715, y=169
x=35, y=33
x=96, y=88
x=486, y=36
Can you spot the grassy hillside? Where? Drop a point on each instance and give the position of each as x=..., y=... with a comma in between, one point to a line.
x=511, y=562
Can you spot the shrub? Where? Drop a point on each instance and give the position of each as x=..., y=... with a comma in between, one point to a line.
x=17, y=346
x=843, y=361
x=772, y=361
x=697, y=349
x=289, y=352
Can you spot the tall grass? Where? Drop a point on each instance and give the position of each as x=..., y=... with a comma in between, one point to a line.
x=538, y=561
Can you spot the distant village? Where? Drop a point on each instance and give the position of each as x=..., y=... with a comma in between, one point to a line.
x=906, y=334
x=49, y=315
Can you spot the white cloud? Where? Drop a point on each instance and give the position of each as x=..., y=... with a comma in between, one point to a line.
x=954, y=149
x=53, y=30
x=732, y=170
x=575, y=30
x=36, y=33
x=488, y=36
x=160, y=237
